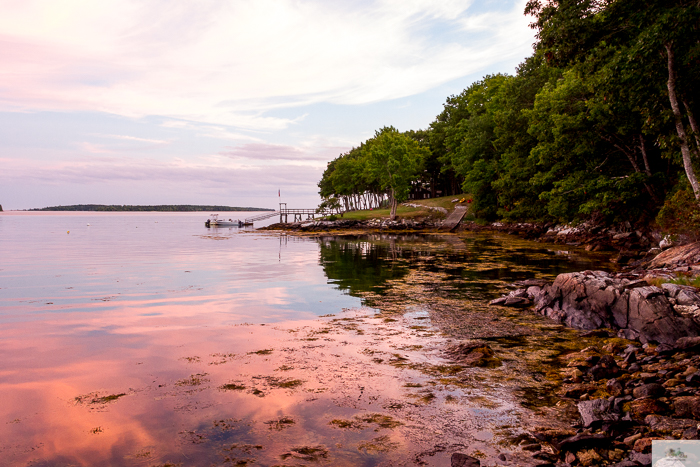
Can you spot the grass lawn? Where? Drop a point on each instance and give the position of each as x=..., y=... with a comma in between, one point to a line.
x=405, y=212
x=402, y=212
x=442, y=202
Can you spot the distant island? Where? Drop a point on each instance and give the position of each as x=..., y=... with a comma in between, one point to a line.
x=160, y=207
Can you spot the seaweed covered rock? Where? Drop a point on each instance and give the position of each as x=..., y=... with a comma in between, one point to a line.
x=474, y=354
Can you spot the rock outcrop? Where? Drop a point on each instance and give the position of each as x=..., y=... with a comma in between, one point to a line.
x=596, y=299
x=681, y=256
x=590, y=300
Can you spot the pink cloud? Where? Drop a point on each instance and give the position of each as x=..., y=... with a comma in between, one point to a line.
x=148, y=171
x=263, y=151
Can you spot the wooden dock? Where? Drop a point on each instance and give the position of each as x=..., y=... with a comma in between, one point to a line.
x=453, y=219
x=299, y=215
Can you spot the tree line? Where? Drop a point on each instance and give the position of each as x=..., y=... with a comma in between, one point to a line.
x=158, y=208
x=598, y=123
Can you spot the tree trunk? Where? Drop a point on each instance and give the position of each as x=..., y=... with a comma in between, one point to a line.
x=643, y=148
x=394, y=205
x=631, y=157
x=694, y=127
x=685, y=150
x=647, y=169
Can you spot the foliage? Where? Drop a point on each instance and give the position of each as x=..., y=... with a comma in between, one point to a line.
x=361, y=267
x=382, y=169
x=680, y=214
x=598, y=123
x=394, y=160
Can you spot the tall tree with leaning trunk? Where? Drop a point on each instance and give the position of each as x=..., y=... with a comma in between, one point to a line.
x=680, y=127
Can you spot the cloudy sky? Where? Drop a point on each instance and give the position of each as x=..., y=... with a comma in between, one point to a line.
x=225, y=101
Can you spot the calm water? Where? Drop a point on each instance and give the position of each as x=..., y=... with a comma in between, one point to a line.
x=147, y=339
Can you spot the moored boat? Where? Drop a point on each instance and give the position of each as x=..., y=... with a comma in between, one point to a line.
x=214, y=221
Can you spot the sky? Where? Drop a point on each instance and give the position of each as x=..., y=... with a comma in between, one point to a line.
x=225, y=102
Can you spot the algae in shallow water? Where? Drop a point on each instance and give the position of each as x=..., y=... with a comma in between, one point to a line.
x=383, y=421
x=307, y=453
x=283, y=383
x=194, y=359
x=193, y=380
x=96, y=399
x=281, y=424
x=378, y=445
x=222, y=358
x=359, y=422
x=347, y=424
x=232, y=387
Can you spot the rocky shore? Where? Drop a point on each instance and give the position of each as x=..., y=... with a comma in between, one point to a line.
x=643, y=385
x=620, y=398
x=628, y=246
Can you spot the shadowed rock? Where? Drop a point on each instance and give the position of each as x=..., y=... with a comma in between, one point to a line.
x=462, y=460
x=595, y=299
x=596, y=410
x=473, y=354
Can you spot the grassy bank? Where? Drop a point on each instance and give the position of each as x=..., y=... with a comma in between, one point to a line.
x=406, y=212
x=442, y=202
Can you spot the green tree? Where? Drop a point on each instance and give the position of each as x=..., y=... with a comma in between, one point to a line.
x=395, y=160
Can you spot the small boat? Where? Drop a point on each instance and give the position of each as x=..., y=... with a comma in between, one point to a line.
x=214, y=221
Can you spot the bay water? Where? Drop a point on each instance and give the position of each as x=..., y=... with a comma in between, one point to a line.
x=148, y=339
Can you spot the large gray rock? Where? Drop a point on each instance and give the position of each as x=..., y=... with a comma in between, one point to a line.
x=595, y=299
x=462, y=460
x=596, y=410
x=677, y=256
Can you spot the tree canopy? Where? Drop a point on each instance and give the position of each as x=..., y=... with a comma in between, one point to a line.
x=600, y=122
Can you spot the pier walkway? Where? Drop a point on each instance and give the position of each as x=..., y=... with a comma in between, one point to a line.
x=299, y=214
x=453, y=219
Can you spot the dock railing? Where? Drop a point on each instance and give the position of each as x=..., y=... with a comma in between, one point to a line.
x=299, y=214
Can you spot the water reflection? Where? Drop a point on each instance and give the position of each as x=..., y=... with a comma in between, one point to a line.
x=136, y=342
x=471, y=265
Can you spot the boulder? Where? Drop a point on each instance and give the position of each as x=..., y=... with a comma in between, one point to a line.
x=462, y=460
x=516, y=298
x=677, y=256
x=584, y=441
x=687, y=343
x=596, y=410
x=687, y=407
x=474, y=354
x=662, y=424
x=614, y=387
x=687, y=296
x=594, y=299
x=649, y=390
x=640, y=408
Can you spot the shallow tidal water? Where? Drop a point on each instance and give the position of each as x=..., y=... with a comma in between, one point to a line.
x=146, y=339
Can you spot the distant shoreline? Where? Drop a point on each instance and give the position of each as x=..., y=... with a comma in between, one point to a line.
x=152, y=208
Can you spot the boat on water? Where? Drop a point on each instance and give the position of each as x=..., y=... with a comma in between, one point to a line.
x=214, y=221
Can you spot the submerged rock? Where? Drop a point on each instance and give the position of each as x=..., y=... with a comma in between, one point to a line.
x=474, y=354
x=462, y=460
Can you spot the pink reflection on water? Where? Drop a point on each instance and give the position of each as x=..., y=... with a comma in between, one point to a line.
x=156, y=320
x=174, y=410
